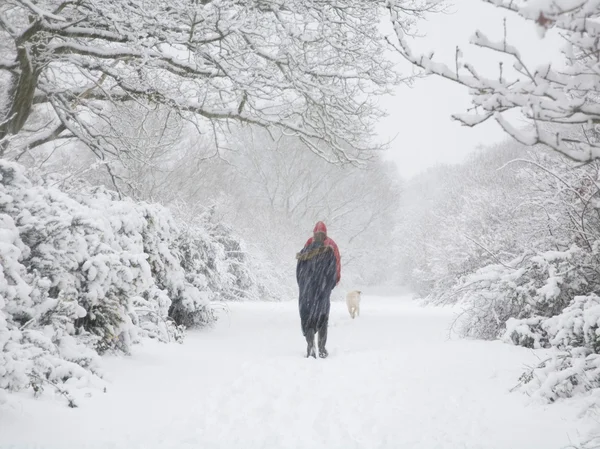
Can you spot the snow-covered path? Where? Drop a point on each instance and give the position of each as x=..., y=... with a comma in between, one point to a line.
x=393, y=380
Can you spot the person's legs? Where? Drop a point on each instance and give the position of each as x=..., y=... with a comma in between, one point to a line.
x=308, y=323
x=308, y=331
x=310, y=343
x=323, y=337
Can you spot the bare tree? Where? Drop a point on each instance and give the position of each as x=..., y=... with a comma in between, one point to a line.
x=283, y=190
x=272, y=191
x=307, y=67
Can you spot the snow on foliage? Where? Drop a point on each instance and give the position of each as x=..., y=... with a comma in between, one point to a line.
x=456, y=219
x=575, y=332
x=86, y=273
x=516, y=245
x=539, y=285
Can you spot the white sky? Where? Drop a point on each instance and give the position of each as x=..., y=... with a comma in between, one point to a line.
x=420, y=115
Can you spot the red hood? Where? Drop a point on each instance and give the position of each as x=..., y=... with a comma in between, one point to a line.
x=320, y=227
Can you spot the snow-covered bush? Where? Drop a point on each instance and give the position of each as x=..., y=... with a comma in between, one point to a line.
x=85, y=273
x=520, y=253
x=575, y=333
x=215, y=259
x=38, y=338
x=562, y=375
x=456, y=219
x=575, y=327
x=533, y=285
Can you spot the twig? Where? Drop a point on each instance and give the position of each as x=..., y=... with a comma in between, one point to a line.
x=71, y=401
x=489, y=252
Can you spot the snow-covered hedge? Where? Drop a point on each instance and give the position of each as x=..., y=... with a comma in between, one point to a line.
x=532, y=285
x=542, y=301
x=85, y=273
x=520, y=254
x=575, y=332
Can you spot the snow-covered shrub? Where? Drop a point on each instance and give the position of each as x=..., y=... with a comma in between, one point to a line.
x=456, y=219
x=37, y=341
x=531, y=286
x=214, y=260
x=542, y=301
x=575, y=334
x=241, y=282
x=96, y=251
x=564, y=374
x=577, y=326
x=84, y=273
x=554, y=306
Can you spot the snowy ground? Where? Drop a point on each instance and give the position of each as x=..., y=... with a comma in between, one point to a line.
x=393, y=380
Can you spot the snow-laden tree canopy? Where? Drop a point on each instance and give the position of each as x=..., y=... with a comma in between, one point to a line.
x=308, y=67
x=566, y=95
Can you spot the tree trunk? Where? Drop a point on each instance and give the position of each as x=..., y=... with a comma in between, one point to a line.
x=20, y=95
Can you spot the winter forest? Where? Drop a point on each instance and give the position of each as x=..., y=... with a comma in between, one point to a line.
x=163, y=164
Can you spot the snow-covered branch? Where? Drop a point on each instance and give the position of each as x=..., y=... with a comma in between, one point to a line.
x=310, y=68
x=543, y=95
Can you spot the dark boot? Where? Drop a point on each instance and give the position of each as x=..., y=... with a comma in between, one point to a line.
x=310, y=340
x=323, y=341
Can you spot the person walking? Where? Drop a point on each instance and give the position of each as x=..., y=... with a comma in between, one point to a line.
x=318, y=271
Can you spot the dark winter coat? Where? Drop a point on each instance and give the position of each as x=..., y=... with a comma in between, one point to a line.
x=316, y=276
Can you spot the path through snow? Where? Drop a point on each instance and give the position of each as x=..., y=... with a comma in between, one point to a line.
x=393, y=380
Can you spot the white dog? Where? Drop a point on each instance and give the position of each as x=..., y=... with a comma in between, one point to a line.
x=353, y=303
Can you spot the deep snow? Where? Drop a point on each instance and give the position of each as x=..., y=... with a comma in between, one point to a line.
x=393, y=380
